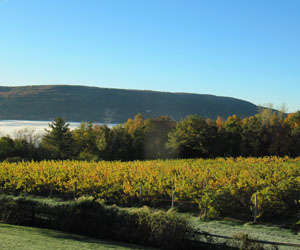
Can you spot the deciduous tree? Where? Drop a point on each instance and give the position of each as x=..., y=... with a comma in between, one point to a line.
x=7, y=148
x=192, y=137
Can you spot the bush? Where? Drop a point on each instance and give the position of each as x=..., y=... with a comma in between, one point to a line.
x=91, y=217
x=161, y=229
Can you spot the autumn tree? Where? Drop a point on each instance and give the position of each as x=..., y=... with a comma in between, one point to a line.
x=254, y=137
x=280, y=137
x=23, y=149
x=233, y=138
x=104, y=146
x=30, y=135
x=7, y=148
x=121, y=144
x=136, y=129
x=156, y=136
x=85, y=141
x=192, y=137
x=293, y=121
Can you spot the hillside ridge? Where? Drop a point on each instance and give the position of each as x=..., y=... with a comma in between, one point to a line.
x=111, y=105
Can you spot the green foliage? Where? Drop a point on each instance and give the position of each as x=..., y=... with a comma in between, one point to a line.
x=233, y=138
x=85, y=138
x=254, y=136
x=58, y=140
x=295, y=135
x=87, y=216
x=23, y=149
x=149, y=136
x=280, y=140
x=113, y=144
x=136, y=129
x=103, y=141
x=16, y=150
x=267, y=133
x=121, y=144
x=7, y=148
x=156, y=137
x=85, y=145
x=193, y=137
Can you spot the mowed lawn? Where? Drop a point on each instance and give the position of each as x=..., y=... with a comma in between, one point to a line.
x=25, y=238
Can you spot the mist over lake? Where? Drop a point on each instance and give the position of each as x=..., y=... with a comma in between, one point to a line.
x=12, y=127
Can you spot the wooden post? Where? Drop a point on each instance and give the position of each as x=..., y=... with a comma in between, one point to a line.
x=141, y=194
x=206, y=209
x=51, y=189
x=173, y=197
x=255, y=209
x=75, y=189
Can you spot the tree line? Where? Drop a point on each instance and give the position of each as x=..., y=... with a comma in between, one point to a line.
x=267, y=133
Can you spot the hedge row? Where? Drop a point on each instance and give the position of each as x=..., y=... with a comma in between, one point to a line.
x=90, y=217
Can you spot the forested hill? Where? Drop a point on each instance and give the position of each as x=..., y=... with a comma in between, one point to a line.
x=79, y=103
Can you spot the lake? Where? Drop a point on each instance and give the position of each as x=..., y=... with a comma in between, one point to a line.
x=11, y=127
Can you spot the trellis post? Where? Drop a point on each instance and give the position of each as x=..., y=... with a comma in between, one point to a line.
x=75, y=189
x=141, y=194
x=173, y=198
x=255, y=209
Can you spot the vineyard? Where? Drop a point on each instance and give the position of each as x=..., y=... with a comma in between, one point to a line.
x=220, y=187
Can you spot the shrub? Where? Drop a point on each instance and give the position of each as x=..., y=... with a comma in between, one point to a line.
x=91, y=217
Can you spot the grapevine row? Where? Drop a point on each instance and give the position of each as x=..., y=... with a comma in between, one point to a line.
x=224, y=185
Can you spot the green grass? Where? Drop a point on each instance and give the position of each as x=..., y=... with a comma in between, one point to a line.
x=29, y=238
x=257, y=231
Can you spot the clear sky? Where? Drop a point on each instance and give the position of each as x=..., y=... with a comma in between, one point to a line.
x=248, y=49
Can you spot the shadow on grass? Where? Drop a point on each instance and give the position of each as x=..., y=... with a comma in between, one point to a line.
x=85, y=239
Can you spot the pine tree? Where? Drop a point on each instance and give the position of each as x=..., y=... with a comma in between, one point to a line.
x=59, y=139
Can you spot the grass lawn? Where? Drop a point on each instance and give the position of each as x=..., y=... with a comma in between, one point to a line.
x=257, y=231
x=27, y=238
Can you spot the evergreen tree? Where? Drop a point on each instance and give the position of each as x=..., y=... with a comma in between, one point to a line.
x=58, y=140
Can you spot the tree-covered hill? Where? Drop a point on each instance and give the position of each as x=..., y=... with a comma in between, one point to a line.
x=80, y=103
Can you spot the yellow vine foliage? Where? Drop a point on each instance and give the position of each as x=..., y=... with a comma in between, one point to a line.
x=223, y=183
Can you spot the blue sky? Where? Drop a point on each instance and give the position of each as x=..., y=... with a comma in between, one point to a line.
x=248, y=49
